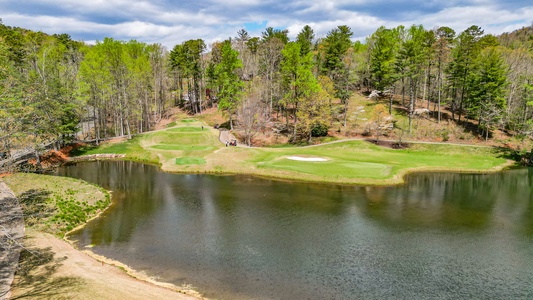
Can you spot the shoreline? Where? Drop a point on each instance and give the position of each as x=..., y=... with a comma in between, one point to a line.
x=137, y=275
x=64, y=268
x=188, y=292
x=397, y=179
x=218, y=164
x=90, y=276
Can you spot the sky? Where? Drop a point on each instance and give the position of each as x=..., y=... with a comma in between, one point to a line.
x=173, y=22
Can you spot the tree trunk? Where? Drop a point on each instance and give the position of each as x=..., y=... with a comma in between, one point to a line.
x=411, y=104
x=128, y=128
x=37, y=158
x=430, y=94
x=438, y=114
x=345, y=111
x=390, y=100
x=425, y=87
x=463, y=91
x=403, y=92
x=295, y=121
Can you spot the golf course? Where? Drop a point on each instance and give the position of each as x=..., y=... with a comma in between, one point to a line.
x=190, y=146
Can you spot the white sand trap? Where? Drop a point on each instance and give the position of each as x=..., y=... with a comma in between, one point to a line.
x=307, y=158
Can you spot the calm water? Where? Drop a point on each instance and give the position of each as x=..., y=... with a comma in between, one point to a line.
x=440, y=236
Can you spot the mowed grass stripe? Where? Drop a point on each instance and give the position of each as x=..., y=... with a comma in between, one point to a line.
x=181, y=147
x=190, y=161
x=186, y=129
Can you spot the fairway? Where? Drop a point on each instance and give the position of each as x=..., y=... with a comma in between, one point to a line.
x=181, y=147
x=192, y=147
x=186, y=129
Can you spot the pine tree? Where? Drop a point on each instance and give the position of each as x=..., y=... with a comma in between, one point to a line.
x=230, y=85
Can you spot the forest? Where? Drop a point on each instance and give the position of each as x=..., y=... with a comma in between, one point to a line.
x=54, y=89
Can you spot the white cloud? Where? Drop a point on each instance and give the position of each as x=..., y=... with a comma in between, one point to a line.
x=169, y=23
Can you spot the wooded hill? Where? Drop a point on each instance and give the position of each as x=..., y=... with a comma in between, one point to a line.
x=53, y=88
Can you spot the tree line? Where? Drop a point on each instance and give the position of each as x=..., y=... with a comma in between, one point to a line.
x=53, y=88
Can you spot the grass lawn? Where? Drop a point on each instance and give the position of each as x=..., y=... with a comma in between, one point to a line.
x=190, y=161
x=56, y=204
x=188, y=148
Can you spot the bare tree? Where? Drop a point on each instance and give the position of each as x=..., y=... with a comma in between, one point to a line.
x=253, y=112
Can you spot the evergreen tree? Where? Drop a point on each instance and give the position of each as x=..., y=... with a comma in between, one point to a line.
x=461, y=68
x=299, y=81
x=445, y=36
x=488, y=85
x=230, y=85
x=305, y=38
x=411, y=57
x=336, y=63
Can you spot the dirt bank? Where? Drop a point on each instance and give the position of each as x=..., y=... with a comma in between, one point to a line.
x=76, y=275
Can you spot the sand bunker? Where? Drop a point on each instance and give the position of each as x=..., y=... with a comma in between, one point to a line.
x=307, y=158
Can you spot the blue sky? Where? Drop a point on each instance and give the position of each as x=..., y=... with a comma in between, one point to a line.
x=172, y=22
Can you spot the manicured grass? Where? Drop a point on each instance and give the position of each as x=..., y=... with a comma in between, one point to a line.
x=359, y=161
x=181, y=147
x=190, y=161
x=188, y=120
x=132, y=148
x=171, y=124
x=188, y=148
x=186, y=129
x=56, y=204
x=332, y=169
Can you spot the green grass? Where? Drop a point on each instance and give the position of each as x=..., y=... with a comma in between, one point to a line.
x=181, y=147
x=186, y=148
x=190, y=161
x=56, y=204
x=171, y=124
x=186, y=129
x=365, y=161
x=188, y=120
x=333, y=169
x=132, y=148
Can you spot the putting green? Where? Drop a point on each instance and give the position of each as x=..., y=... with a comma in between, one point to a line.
x=348, y=169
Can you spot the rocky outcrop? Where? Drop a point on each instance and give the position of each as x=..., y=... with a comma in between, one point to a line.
x=11, y=235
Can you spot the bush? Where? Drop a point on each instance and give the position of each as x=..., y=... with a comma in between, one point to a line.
x=319, y=130
x=445, y=135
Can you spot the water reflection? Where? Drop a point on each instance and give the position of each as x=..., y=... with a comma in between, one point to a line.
x=439, y=235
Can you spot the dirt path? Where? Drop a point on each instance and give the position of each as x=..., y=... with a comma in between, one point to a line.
x=225, y=136
x=403, y=141
x=87, y=278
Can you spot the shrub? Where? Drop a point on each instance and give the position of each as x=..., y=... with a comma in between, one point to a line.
x=445, y=135
x=319, y=130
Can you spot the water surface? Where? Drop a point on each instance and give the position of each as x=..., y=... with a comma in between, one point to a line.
x=440, y=236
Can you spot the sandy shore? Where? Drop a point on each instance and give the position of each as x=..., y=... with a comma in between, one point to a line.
x=87, y=277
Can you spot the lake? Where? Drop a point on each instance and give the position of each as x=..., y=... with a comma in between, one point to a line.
x=439, y=236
